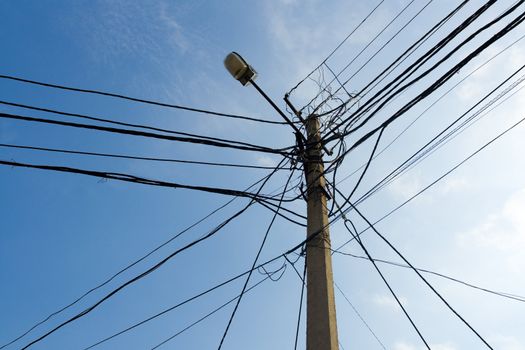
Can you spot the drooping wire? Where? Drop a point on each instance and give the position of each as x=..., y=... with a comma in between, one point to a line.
x=365, y=250
x=129, y=266
x=144, y=101
x=193, y=140
x=124, y=156
x=336, y=76
x=151, y=269
x=432, y=105
x=470, y=285
x=282, y=270
x=445, y=77
x=447, y=304
x=424, y=189
x=338, y=46
x=253, y=265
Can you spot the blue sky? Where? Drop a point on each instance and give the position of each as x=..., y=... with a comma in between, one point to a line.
x=61, y=234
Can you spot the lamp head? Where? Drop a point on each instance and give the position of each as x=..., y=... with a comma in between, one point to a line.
x=239, y=68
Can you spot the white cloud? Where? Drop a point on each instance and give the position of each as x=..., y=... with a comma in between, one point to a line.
x=388, y=301
x=407, y=185
x=502, y=231
x=502, y=342
x=407, y=346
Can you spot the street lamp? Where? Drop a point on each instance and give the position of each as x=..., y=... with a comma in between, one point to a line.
x=239, y=68
x=245, y=74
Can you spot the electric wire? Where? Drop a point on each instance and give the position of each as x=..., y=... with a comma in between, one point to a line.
x=360, y=316
x=193, y=140
x=144, y=101
x=432, y=105
x=253, y=266
x=151, y=269
x=359, y=53
x=171, y=309
x=470, y=285
x=338, y=46
x=444, y=175
x=456, y=68
x=336, y=76
x=387, y=284
x=115, y=122
x=411, y=69
x=445, y=77
x=123, y=156
x=136, y=179
x=405, y=165
x=402, y=57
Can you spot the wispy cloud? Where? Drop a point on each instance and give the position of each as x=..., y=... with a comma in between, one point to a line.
x=502, y=231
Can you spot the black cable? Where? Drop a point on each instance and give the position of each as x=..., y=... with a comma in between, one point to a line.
x=470, y=285
x=435, y=181
x=376, y=98
x=151, y=269
x=388, y=286
x=155, y=103
x=253, y=265
x=453, y=71
x=433, y=104
x=440, y=81
x=336, y=76
x=135, y=179
x=447, y=76
x=401, y=58
x=171, y=309
x=223, y=144
x=393, y=173
x=388, y=42
x=418, y=273
x=149, y=253
x=123, y=156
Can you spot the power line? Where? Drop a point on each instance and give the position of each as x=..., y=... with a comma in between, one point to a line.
x=361, y=244
x=402, y=77
x=359, y=315
x=193, y=140
x=417, y=155
x=254, y=264
x=136, y=179
x=438, y=83
x=436, y=180
x=336, y=76
x=433, y=104
x=454, y=70
x=401, y=58
x=109, y=121
x=128, y=98
x=129, y=266
x=470, y=285
x=150, y=270
x=303, y=284
x=123, y=156
x=171, y=309
x=369, y=223
x=338, y=46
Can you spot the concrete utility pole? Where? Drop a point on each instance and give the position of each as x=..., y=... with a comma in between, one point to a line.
x=321, y=323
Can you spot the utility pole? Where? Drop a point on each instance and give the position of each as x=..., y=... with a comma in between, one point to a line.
x=321, y=324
